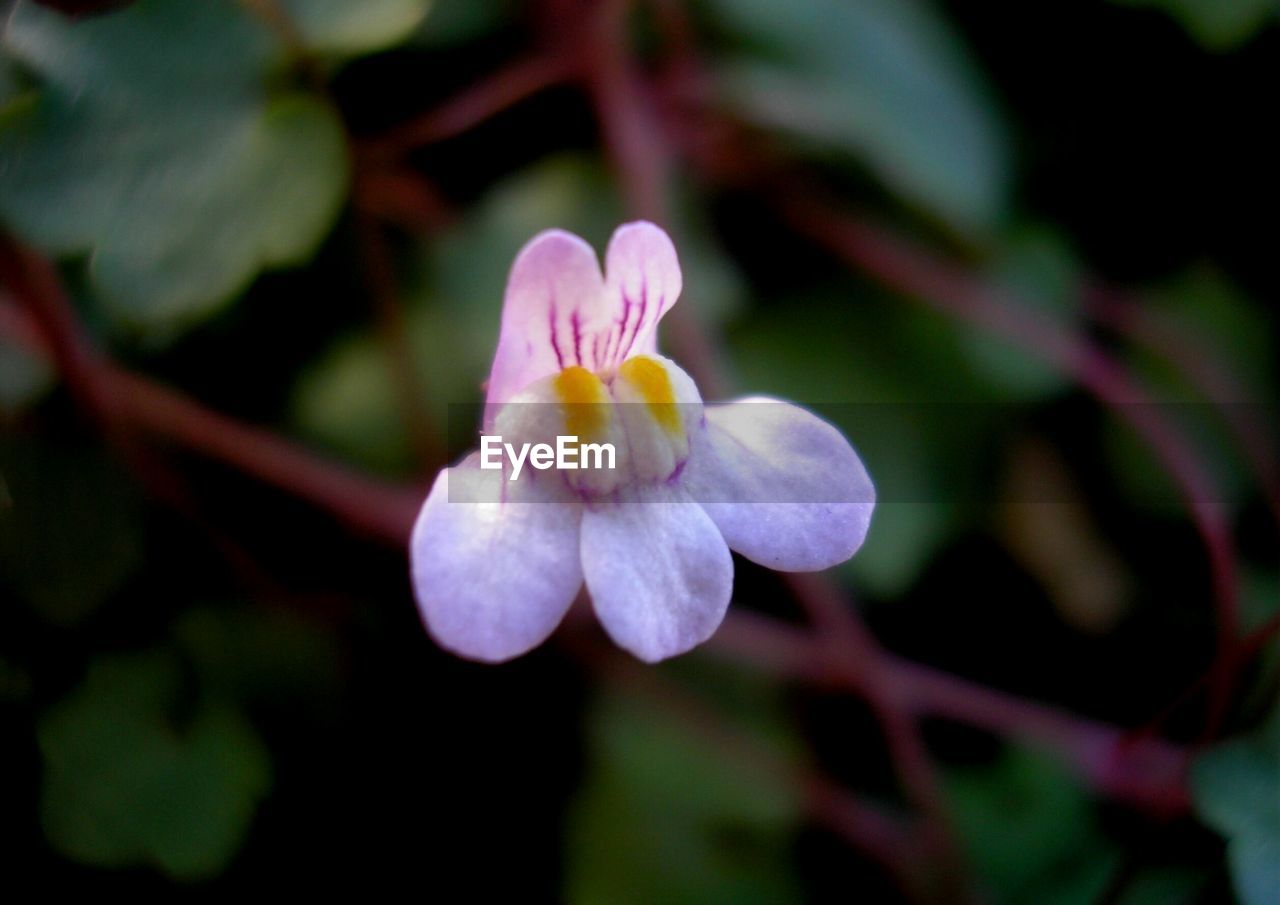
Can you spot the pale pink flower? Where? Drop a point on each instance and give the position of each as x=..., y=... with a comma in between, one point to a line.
x=497, y=563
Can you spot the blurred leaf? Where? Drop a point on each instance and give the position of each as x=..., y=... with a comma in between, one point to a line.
x=1217, y=329
x=1164, y=886
x=1031, y=831
x=258, y=654
x=887, y=81
x=1259, y=596
x=155, y=145
x=72, y=532
x=666, y=816
x=1036, y=267
x=10, y=85
x=126, y=784
x=340, y=26
x=458, y=21
x=454, y=287
x=1217, y=24
x=1235, y=787
x=346, y=401
x=1203, y=307
x=24, y=378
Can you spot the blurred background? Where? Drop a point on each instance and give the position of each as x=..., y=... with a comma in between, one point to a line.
x=252, y=264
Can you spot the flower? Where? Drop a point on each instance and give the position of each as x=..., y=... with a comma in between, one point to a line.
x=496, y=563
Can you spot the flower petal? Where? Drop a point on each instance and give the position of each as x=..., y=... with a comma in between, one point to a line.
x=642, y=282
x=494, y=578
x=559, y=311
x=659, y=572
x=555, y=289
x=784, y=487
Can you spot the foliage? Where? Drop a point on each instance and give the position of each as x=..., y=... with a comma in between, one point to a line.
x=205, y=681
x=1235, y=787
x=155, y=143
x=126, y=783
x=664, y=815
x=887, y=83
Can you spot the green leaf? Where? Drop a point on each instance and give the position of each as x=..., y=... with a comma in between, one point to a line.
x=1165, y=885
x=24, y=379
x=666, y=816
x=257, y=654
x=1219, y=25
x=1235, y=787
x=1032, y=833
x=125, y=784
x=888, y=82
x=1219, y=330
x=458, y=21
x=347, y=402
x=71, y=531
x=1036, y=267
x=155, y=145
x=343, y=27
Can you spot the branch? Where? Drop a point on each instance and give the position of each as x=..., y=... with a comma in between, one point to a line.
x=913, y=271
x=483, y=100
x=122, y=400
x=1148, y=773
x=1214, y=379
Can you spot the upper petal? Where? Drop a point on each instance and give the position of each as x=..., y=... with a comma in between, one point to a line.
x=659, y=572
x=559, y=311
x=495, y=563
x=554, y=290
x=642, y=282
x=784, y=487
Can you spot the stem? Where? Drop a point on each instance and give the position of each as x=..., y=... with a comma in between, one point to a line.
x=33, y=281
x=483, y=100
x=913, y=271
x=129, y=402
x=382, y=511
x=1212, y=377
x=386, y=512
x=634, y=138
x=872, y=828
x=1148, y=773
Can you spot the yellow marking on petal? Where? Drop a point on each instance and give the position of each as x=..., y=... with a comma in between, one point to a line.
x=583, y=396
x=653, y=382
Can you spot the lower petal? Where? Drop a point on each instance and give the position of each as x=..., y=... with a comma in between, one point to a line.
x=784, y=487
x=495, y=563
x=659, y=572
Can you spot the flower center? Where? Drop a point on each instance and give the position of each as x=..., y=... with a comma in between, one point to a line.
x=635, y=409
x=653, y=383
x=582, y=396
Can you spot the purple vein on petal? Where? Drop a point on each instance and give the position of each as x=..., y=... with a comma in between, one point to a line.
x=575, y=321
x=644, y=305
x=555, y=344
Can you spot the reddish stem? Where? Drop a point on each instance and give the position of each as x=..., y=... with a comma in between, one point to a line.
x=126, y=401
x=1148, y=773
x=916, y=272
x=481, y=101
x=1212, y=377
